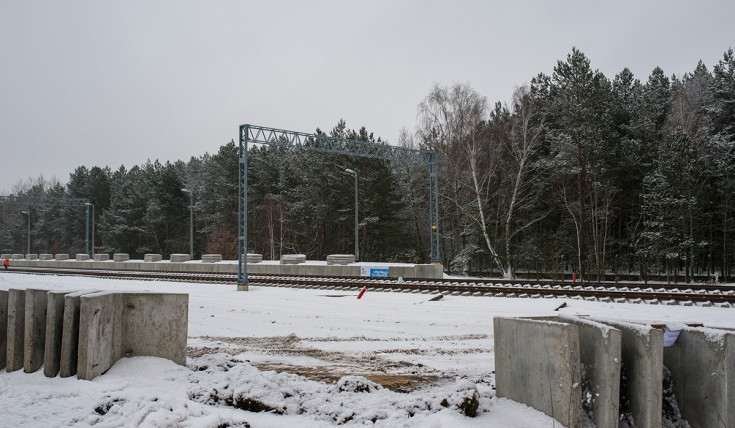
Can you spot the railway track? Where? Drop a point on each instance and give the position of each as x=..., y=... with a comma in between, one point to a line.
x=654, y=293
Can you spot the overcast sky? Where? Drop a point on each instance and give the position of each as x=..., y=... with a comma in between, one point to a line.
x=112, y=83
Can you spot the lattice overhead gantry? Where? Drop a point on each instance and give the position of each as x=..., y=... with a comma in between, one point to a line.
x=62, y=202
x=326, y=144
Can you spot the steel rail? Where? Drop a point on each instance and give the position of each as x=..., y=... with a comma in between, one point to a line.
x=607, y=291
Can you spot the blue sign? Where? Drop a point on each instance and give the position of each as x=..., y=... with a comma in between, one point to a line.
x=377, y=272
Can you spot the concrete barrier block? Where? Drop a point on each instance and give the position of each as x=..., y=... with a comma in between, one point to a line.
x=642, y=349
x=5, y=256
x=431, y=270
x=599, y=353
x=103, y=257
x=70, y=333
x=62, y=257
x=116, y=325
x=120, y=257
x=34, y=342
x=537, y=363
x=156, y=324
x=31, y=256
x=149, y=258
x=16, y=329
x=82, y=257
x=179, y=258
x=702, y=366
x=254, y=258
x=17, y=257
x=211, y=258
x=100, y=331
x=3, y=326
x=45, y=257
x=54, y=330
x=340, y=259
x=292, y=259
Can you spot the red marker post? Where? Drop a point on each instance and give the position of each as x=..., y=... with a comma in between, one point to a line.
x=364, y=289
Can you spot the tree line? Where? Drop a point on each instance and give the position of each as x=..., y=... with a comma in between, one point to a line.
x=577, y=172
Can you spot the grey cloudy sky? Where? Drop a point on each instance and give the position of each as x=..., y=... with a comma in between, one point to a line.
x=87, y=82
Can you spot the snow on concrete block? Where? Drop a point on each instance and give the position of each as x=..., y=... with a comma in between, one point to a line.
x=101, y=257
x=702, y=366
x=45, y=256
x=537, y=363
x=120, y=257
x=642, y=349
x=82, y=257
x=54, y=329
x=36, y=303
x=3, y=326
x=16, y=328
x=149, y=258
x=62, y=257
x=179, y=258
x=211, y=258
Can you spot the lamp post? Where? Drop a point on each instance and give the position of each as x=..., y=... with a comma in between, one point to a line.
x=29, y=230
x=92, y=205
x=357, y=246
x=191, y=222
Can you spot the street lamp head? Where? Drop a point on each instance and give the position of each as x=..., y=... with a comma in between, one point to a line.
x=349, y=171
x=185, y=190
x=25, y=212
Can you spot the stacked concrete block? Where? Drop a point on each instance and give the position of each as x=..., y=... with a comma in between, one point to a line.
x=62, y=257
x=179, y=258
x=537, y=363
x=149, y=258
x=31, y=256
x=15, y=329
x=17, y=256
x=86, y=332
x=254, y=258
x=5, y=256
x=293, y=259
x=211, y=258
x=82, y=257
x=702, y=366
x=101, y=257
x=340, y=259
x=120, y=257
x=45, y=257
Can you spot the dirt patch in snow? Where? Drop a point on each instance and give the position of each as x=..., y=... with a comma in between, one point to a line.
x=382, y=366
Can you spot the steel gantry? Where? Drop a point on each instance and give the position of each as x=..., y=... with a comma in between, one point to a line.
x=62, y=202
x=326, y=144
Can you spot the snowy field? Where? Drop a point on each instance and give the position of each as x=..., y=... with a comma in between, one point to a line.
x=307, y=358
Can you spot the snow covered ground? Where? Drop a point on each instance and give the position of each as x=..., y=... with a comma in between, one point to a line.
x=308, y=358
